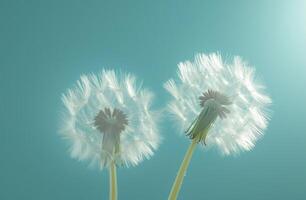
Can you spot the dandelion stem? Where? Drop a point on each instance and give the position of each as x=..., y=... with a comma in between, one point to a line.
x=112, y=181
x=182, y=171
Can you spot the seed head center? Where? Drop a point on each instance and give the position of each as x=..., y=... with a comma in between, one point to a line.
x=111, y=121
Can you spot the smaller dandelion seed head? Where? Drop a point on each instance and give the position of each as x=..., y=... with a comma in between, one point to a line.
x=108, y=117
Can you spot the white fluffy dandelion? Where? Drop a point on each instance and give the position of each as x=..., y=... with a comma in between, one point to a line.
x=217, y=104
x=109, y=122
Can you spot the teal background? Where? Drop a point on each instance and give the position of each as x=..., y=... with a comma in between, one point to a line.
x=46, y=45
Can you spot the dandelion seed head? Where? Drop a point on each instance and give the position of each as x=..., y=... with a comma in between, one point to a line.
x=240, y=102
x=107, y=117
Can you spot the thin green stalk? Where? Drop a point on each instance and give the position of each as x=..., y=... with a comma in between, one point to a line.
x=181, y=173
x=112, y=181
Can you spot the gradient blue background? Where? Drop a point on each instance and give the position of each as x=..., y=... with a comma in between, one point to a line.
x=46, y=45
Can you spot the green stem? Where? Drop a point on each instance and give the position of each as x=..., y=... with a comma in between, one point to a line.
x=112, y=181
x=181, y=173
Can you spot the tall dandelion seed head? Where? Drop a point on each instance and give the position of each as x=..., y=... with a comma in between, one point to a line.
x=219, y=104
x=107, y=118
